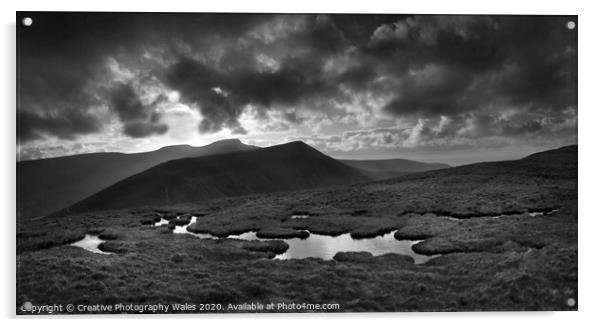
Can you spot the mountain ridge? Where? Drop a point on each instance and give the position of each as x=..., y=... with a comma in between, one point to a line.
x=182, y=146
x=283, y=167
x=50, y=184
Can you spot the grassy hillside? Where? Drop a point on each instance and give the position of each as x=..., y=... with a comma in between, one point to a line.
x=47, y=185
x=285, y=167
x=389, y=168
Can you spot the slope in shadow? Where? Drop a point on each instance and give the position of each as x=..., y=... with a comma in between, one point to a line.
x=284, y=167
x=389, y=168
x=47, y=185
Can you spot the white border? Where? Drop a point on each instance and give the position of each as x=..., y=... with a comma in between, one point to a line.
x=589, y=159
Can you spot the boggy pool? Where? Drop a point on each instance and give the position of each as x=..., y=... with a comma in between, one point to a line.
x=325, y=247
x=531, y=213
x=90, y=243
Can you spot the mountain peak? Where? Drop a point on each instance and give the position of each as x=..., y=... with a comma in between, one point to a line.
x=298, y=142
x=176, y=146
x=229, y=141
x=297, y=146
x=225, y=142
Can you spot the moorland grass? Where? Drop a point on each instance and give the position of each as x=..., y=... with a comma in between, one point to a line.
x=515, y=262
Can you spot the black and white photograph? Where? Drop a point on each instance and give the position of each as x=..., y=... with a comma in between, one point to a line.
x=269, y=163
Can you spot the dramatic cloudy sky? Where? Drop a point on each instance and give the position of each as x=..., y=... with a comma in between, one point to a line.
x=454, y=89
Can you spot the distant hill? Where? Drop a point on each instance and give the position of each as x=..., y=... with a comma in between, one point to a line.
x=557, y=164
x=285, y=167
x=47, y=185
x=566, y=155
x=389, y=168
x=540, y=182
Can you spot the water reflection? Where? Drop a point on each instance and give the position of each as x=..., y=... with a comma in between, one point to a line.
x=325, y=247
x=162, y=222
x=90, y=243
x=541, y=213
x=249, y=236
x=299, y=216
x=183, y=230
x=532, y=214
x=450, y=218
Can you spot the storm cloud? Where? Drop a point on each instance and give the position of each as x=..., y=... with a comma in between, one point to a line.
x=221, y=96
x=425, y=79
x=32, y=125
x=138, y=120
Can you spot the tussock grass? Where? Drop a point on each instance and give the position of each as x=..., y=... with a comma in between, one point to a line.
x=282, y=233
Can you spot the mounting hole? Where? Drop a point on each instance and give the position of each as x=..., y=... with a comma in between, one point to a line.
x=27, y=21
x=571, y=302
x=571, y=25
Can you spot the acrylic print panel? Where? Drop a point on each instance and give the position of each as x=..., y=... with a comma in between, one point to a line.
x=269, y=163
